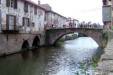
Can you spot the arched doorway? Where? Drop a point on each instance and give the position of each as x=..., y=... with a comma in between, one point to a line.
x=36, y=42
x=25, y=45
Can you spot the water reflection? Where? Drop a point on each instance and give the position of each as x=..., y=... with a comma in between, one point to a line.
x=50, y=61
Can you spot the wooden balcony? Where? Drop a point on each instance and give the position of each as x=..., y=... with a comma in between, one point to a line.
x=8, y=30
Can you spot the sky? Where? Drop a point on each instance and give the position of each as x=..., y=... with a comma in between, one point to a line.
x=83, y=10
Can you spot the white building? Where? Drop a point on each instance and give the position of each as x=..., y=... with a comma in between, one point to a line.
x=27, y=16
x=22, y=14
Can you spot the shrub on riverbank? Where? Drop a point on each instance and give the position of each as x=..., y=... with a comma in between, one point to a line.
x=105, y=36
x=59, y=42
x=63, y=39
x=97, y=57
x=74, y=36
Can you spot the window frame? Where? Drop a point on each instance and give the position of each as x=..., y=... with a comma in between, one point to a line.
x=9, y=3
x=8, y=19
x=24, y=21
x=25, y=7
x=35, y=10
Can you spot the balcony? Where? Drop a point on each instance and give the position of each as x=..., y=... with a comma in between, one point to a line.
x=10, y=29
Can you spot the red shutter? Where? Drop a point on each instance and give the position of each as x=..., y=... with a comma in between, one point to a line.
x=7, y=3
x=28, y=22
x=15, y=4
x=7, y=22
x=26, y=7
x=14, y=22
x=23, y=21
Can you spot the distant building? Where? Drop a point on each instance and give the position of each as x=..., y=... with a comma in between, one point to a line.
x=108, y=14
x=72, y=23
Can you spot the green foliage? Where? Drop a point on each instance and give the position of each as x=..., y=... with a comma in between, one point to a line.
x=94, y=64
x=83, y=69
x=112, y=27
x=60, y=42
x=77, y=73
x=74, y=36
x=106, y=36
x=82, y=35
x=95, y=60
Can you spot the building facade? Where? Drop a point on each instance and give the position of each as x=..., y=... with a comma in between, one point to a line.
x=28, y=16
x=107, y=13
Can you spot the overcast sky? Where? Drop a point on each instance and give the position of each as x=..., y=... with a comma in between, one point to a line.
x=83, y=10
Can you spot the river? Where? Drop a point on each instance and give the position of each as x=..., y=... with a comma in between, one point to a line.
x=61, y=60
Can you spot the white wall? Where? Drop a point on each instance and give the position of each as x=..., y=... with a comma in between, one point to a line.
x=19, y=12
x=55, y=19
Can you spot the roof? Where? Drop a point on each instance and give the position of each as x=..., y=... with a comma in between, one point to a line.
x=31, y=2
x=42, y=6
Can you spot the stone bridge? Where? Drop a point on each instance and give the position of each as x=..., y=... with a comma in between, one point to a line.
x=53, y=35
x=15, y=42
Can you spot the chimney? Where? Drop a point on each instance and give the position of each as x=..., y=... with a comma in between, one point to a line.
x=38, y=2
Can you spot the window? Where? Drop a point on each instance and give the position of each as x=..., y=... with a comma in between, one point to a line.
x=35, y=10
x=25, y=21
x=33, y=24
x=11, y=3
x=26, y=7
x=11, y=22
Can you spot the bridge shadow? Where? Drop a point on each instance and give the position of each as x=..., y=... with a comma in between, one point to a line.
x=36, y=43
x=25, y=45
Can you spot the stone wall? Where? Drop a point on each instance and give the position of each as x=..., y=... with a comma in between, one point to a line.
x=11, y=43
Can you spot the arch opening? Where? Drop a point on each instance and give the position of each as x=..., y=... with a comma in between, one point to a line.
x=36, y=42
x=55, y=42
x=25, y=45
x=79, y=35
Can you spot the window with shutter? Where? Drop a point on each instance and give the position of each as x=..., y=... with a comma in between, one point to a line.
x=11, y=3
x=25, y=21
x=7, y=3
x=15, y=4
x=7, y=22
x=26, y=7
x=35, y=10
x=11, y=22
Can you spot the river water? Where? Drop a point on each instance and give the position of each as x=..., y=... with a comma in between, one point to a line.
x=50, y=60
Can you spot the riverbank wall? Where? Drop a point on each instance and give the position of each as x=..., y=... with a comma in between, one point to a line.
x=105, y=65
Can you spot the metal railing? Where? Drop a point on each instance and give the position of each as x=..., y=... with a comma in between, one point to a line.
x=11, y=27
x=72, y=26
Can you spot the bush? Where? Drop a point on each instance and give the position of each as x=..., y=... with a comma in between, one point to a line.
x=106, y=36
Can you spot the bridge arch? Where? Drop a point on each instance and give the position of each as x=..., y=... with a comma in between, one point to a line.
x=36, y=42
x=54, y=35
x=69, y=33
x=25, y=45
